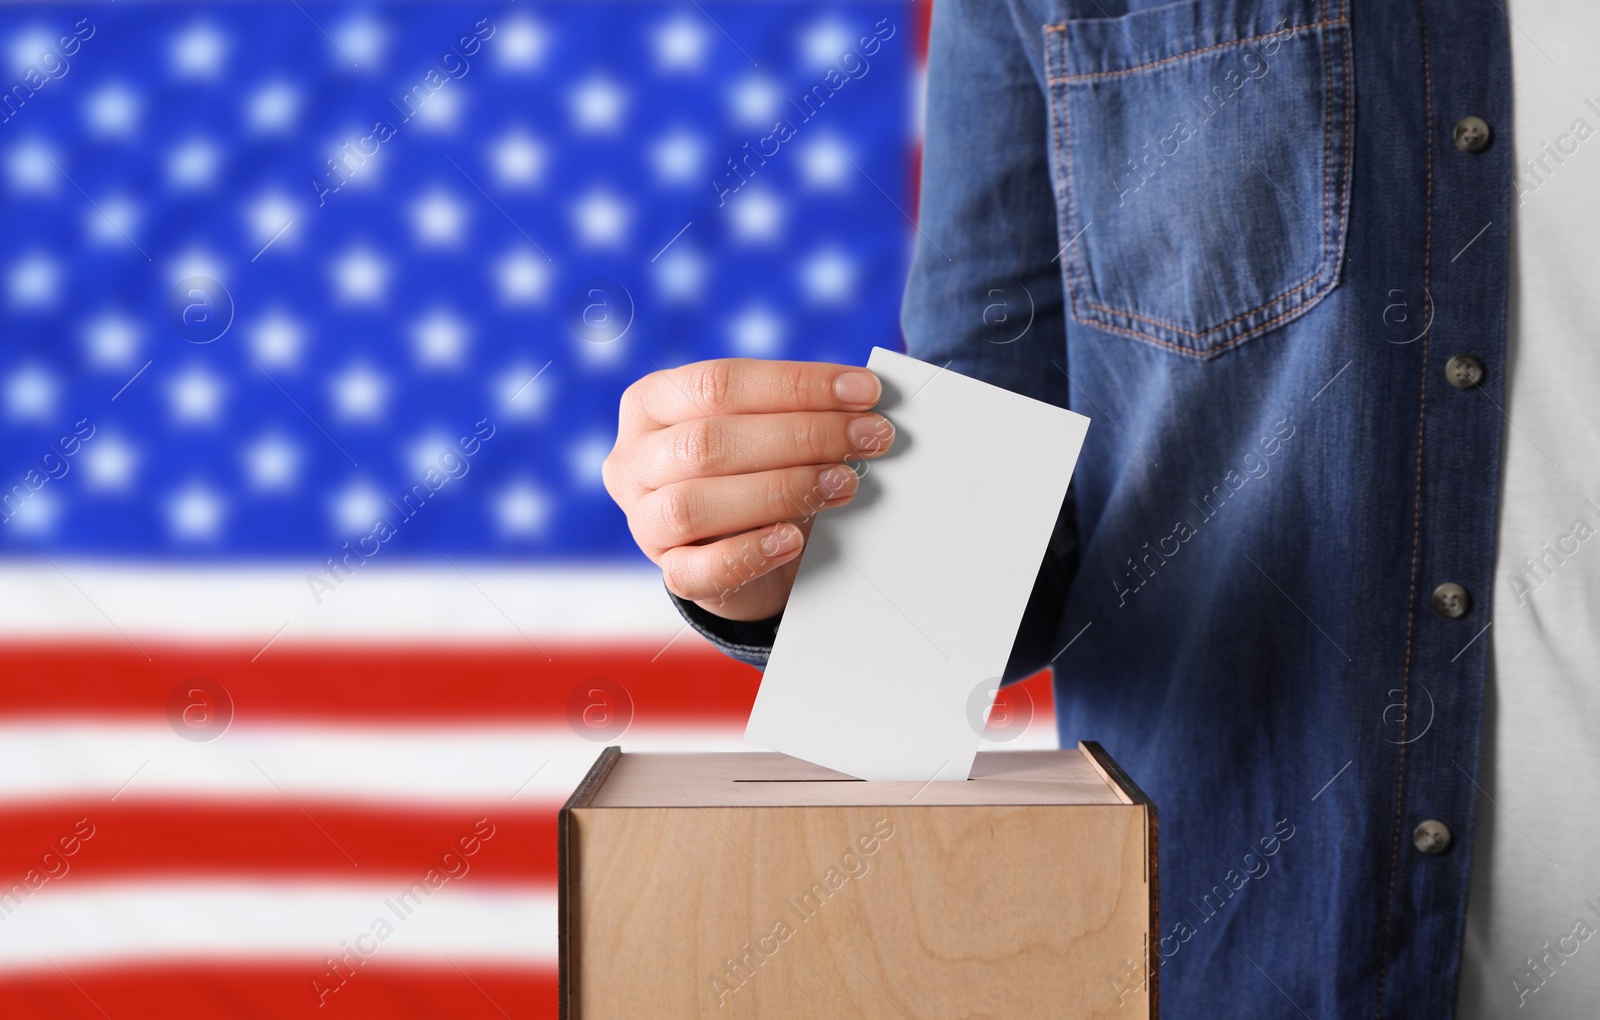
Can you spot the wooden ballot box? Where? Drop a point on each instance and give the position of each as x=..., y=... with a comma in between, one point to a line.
x=759, y=885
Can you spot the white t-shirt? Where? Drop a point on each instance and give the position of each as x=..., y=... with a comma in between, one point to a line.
x=1532, y=944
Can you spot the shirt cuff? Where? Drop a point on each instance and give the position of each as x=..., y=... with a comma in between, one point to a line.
x=748, y=641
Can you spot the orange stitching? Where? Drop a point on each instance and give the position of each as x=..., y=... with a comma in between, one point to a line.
x=1416, y=524
x=1327, y=142
x=1210, y=352
x=1292, y=293
x=1064, y=146
x=1095, y=75
x=1309, y=281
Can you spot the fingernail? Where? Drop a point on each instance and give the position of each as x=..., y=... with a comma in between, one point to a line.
x=836, y=481
x=871, y=433
x=780, y=540
x=857, y=388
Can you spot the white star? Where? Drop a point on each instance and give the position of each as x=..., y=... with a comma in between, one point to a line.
x=276, y=340
x=440, y=339
x=357, y=509
x=33, y=281
x=195, y=513
x=678, y=157
x=584, y=458
x=34, y=518
x=824, y=43
x=31, y=393
x=824, y=163
x=29, y=166
x=757, y=215
x=114, y=222
x=520, y=44
x=359, y=393
x=522, y=391
x=360, y=276
x=680, y=274
x=828, y=277
x=268, y=214
x=519, y=159
x=438, y=219
x=198, y=51
x=195, y=261
x=112, y=340
x=354, y=170
x=522, y=510
x=755, y=100
x=273, y=108
x=109, y=463
x=112, y=111
x=756, y=333
x=680, y=44
x=523, y=276
x=601, y=219
x=363, y=39
x=271, y=461
x=597, y=105
x=426, y=451
x=195, y=394
x=27, y=47
x=193, y=164
x=442, y=111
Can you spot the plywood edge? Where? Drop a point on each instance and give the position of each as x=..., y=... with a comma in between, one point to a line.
x=566, y=933
x=1112, y=773
x=1129, y=790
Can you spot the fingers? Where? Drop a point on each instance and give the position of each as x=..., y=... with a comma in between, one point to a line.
x=742, y=444
x=688, y=511
x=717, y=570
x=746, y=386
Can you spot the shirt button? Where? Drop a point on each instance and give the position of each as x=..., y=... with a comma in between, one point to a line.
x=1472, y=134
x=1463, y=371
x=1450, y=600
x=1431, y=837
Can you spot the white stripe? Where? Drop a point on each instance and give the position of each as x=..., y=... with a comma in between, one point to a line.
x=376, y=601
x=192, y=921
x=395, y=765
x=415, y=766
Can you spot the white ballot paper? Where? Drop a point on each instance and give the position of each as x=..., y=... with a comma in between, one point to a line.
x=908, y=599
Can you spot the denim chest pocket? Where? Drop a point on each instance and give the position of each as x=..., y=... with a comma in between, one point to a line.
x=1201, y=163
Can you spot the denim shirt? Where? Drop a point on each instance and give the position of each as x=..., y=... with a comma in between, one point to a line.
x=1246, y=237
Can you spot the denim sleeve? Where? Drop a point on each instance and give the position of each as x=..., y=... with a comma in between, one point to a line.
x=985, y=291
x=984, y=294
x=749, y=642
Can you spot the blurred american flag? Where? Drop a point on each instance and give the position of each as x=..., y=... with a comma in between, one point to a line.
x=257, y=756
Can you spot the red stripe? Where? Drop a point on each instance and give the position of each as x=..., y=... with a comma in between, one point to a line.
x=388, y=684
x=208, y=839
x=922, y=21
x=249, y=992
x=377, y=686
